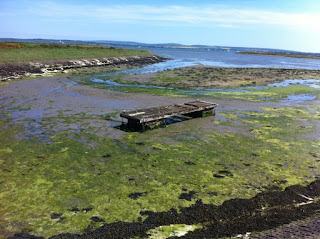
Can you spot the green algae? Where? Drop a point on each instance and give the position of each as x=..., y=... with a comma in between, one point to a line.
x=268, y=94
x=129, y=89
x=250, y=94
x=70, y=177
x=217, y=77
x=167, y=79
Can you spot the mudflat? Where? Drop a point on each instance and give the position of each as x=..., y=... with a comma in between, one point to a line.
x=68, y=171
x=201, y=76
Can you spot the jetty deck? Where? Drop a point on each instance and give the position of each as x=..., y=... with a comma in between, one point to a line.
x=138, y=119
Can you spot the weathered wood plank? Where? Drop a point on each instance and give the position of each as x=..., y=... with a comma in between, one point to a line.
x=153, y=114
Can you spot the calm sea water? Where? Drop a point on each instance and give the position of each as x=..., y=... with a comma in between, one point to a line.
x=222, y=58
x=231, y=59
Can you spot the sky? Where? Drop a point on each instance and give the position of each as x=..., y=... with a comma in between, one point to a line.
x=279, y=24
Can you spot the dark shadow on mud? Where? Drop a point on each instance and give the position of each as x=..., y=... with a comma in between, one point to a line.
x=161, y=124
x=236, y=216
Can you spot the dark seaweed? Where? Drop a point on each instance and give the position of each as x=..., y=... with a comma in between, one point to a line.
x=265, y=211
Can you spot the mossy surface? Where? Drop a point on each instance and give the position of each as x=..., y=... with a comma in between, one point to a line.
x=218, y=77
x=82, y=177
x=64, y=185
x=268, y=94
x=248, y=94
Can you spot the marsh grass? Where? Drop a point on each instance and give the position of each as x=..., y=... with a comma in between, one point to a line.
x=27, y=52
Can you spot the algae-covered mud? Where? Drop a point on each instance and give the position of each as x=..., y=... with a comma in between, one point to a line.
x=204, y=77
x=67, y=171
x=249, y=84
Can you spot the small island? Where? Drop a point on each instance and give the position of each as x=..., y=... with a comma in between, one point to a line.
x=294, y=55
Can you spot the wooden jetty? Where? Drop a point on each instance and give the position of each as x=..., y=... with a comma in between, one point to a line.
x=138, y=119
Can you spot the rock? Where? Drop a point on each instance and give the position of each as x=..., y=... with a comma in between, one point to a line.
x=20, y=69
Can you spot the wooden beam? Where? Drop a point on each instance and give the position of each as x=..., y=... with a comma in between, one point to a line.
x=137, y=118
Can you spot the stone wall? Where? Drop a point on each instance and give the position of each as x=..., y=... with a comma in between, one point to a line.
x=9, y=71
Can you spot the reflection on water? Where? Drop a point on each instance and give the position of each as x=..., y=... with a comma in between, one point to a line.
x=291, y=99
x=113, y=84
x=314, y=83
x=162, y=66
x=232, y=59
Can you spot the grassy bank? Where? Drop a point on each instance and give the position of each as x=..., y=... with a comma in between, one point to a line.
x=26, y=52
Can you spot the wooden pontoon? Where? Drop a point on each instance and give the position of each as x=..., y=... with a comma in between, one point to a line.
x=138, y=119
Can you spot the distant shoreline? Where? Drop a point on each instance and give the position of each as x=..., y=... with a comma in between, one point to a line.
x=280, y=54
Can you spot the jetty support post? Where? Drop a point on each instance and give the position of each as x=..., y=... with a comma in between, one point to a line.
x=136, y=125
x=133, y=124
x=195, y=114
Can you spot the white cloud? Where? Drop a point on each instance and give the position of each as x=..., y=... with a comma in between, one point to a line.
x=213, y=15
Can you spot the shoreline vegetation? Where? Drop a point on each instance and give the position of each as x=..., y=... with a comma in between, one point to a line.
x=35, y=52
x=19, y=60
x=11, y=71
x=294, y=55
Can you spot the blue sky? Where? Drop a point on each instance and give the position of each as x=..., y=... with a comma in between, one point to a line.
x=285, y=24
